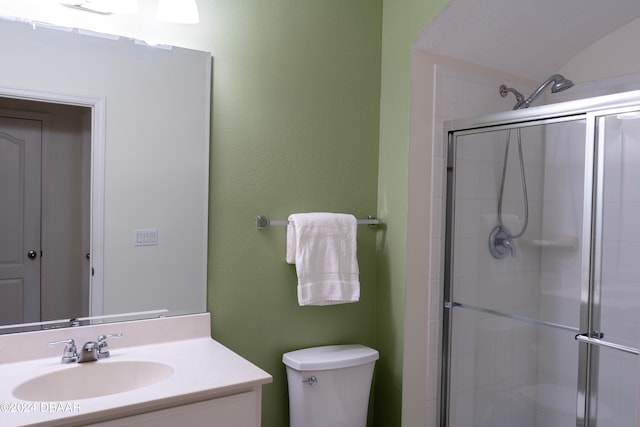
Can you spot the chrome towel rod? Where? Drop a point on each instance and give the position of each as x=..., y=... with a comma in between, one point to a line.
x=264, y=222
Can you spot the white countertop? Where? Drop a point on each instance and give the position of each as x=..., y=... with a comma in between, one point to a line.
x=203, y=369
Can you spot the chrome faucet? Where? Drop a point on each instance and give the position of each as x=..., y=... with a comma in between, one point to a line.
x=70, y=354
x=90, y=352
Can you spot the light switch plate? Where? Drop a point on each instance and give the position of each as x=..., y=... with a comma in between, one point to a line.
x=145, y=237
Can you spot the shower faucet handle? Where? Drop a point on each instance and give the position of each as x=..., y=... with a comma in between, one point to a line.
x=501, y=243
x=507, y=244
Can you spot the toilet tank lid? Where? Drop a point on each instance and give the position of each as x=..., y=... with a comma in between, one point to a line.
x=329, y=357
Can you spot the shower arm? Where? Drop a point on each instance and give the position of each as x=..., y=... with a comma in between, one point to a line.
x=504, y=91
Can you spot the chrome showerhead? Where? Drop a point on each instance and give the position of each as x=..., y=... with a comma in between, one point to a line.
x=561, y=84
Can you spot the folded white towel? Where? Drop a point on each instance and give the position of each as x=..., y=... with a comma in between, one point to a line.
x=323, y=248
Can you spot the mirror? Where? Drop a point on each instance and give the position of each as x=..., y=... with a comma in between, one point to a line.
x=124, y=148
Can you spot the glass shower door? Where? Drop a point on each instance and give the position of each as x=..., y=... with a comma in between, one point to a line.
x=516, y=275
x=616, y=296
x=541, y=324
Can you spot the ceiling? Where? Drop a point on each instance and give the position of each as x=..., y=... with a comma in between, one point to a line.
x=528, y=38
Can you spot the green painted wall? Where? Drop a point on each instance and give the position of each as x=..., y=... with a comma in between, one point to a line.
x=295, y=128
x=310, y=113
x=403, y=21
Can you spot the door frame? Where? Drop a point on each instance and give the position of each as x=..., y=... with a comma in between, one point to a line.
x=97, y=185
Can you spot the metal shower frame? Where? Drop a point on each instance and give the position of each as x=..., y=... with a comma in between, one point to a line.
x=593, y=111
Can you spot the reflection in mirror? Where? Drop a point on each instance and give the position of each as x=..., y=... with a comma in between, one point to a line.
x=45, y=155
x=104, y=171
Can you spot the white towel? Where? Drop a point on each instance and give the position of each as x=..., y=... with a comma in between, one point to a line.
x=323, y=248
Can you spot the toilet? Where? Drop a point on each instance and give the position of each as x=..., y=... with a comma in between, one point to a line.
x=329, y=386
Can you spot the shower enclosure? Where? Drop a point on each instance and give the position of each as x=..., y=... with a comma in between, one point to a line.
x=546, y=334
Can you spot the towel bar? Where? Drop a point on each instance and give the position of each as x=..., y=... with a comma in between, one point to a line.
x=264, y=222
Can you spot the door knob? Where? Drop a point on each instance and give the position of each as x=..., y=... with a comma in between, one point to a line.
x=32, y=254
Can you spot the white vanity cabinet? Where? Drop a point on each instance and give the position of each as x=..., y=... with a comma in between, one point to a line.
x=238, y=410
x=201, y=383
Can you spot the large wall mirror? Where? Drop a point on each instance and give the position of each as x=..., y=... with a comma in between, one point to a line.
x=104, y=148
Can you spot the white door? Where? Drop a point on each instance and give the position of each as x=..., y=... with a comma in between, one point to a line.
x=20, y=210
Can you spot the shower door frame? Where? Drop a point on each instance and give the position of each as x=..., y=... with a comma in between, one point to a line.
x=593, y=111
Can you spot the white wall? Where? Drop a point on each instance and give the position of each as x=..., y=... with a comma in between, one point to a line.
x=612, y=55
x=156, y=160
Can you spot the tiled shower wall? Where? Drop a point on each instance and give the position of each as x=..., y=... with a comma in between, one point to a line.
x=620, y=302
x=491, y=357
x=481, y=279
x=620, y=292
x=560, y=274
x=460, y=94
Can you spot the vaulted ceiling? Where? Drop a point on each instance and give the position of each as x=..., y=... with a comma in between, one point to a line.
x=529, y=38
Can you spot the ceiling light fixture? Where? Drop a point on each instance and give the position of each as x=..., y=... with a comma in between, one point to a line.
x=178, y=11
x=104, y=7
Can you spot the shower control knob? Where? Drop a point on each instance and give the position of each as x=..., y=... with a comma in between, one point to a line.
x=32, y=254
x=500, y=243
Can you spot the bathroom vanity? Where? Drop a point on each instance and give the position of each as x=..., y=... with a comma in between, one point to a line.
x=161, y=372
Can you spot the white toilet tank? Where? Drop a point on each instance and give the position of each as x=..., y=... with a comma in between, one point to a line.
x=329, y=386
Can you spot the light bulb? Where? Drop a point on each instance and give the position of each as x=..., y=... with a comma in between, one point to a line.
x=178, y=11
x=125, y=7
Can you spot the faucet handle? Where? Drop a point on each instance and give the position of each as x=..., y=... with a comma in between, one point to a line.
x=70, y=353
x=103, y=346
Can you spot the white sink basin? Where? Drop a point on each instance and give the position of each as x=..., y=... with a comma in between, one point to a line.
x=92, y=379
